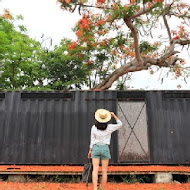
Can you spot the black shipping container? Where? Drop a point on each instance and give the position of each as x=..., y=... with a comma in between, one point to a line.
x=54, y=127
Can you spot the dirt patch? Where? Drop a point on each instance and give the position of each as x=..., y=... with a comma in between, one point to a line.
x=81, y=186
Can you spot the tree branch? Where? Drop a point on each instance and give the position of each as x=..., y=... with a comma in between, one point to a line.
x=128, y=22
x=134, y=66
x=141, y=12
x=130, y=67
x=182, y=42
x=167, y=27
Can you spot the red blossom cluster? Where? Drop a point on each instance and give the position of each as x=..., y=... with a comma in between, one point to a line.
x=79, y=33
x=181, y=33
x=6, y=14
x=84, y=28
x=158, y=1
x=132, y=1
x=64, y=1
x=100, y=1
x=84, y=23
x=176, y=37
x=182, y=5
x=72, y=46
x=89, y=62
x=100, y=22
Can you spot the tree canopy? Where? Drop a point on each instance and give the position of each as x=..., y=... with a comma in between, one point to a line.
x=18, y=55
x=65, y=70
x=116, y=37
x=26, y=65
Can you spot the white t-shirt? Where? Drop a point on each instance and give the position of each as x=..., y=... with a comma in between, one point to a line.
x=103, y=136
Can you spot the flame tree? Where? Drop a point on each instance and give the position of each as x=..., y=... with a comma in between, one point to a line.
x=119, y=37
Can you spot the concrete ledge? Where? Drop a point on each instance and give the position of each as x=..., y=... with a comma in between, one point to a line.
x=16, y=178
x=163, y=178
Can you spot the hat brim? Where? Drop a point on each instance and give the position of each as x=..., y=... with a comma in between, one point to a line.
x=108, y=118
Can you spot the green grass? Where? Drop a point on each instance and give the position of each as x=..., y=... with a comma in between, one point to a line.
x=63, y=179
x=135, y=179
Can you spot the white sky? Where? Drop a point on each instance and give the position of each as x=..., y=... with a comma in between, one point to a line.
x=45, y=17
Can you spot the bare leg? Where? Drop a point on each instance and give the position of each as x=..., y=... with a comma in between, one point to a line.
x=95, y=163
x=104, y=173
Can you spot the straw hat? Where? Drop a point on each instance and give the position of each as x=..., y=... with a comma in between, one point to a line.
x=102, y=115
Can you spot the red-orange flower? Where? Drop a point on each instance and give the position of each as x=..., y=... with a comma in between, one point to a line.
x=158, y=1
x=132, y=1
x=100, y=1
x=103, y=44
x=149, y=5
x=84, y=38
x=114, y=6
x=182, y=5
x=181, y=31
x=100, y=22
x=84, y=23
x=79, y=33
x=176, y=37
x=72, y=46
x=89, y=62
x=108, y=18
x=67, y=1
x=6, y=14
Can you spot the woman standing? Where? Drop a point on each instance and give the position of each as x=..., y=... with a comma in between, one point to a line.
x=100, y=141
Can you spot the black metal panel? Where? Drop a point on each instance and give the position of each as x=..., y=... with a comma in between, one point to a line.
x=176, y=94
x=169, y=131
x=131, y=95
x=48, y=129
x=2, y=125
x=47, y=95
x=2, y=95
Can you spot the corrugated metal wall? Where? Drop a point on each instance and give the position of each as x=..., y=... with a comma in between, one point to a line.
x=168, y=114
x=50, y=127
x=54, y=127
x=169, y=126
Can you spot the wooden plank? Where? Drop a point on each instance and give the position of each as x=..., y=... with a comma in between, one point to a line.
x=80, y=172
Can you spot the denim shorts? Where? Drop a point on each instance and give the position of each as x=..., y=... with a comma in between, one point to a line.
x=101, y=152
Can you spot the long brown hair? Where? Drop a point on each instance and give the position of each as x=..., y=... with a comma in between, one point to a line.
x=101, y=126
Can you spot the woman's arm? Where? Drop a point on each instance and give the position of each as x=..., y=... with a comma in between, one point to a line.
x=114, y=116
x=90, y=153
x=92, y=139
x=113, y=127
